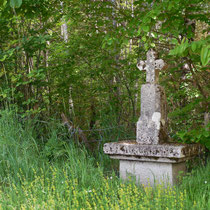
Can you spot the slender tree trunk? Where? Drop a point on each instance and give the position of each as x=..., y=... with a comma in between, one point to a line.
x=64, y=33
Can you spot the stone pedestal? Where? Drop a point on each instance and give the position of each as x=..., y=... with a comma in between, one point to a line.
x=154, y=164
x=151, y=172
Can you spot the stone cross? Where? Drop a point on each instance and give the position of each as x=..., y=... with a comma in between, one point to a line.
x=151, y=126
x=151, y=66
x=151, y=159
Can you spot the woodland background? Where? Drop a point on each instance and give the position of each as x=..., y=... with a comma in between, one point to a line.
x=75, y=61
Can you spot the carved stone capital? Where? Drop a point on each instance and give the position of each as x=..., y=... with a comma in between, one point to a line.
x=166, y=150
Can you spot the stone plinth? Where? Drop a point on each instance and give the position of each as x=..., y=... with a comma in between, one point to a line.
x=152, y=164
x=151, y=173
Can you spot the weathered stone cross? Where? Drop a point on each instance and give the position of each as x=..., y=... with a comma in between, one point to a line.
x=151, y=66
x=151, y=126
x=152, y=159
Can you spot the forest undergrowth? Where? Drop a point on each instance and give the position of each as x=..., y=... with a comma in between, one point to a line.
x=42, y=168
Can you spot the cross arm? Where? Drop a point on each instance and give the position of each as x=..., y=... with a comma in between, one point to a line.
x=141, y=65
x=159, y=64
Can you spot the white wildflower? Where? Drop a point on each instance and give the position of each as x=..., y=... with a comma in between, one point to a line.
x=88, y=191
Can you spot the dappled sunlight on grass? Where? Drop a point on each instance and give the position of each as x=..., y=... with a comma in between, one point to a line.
x=58, y=190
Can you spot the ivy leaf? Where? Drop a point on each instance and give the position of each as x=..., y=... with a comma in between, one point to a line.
x=110, y=41
x=3, y=3
x=174, y=41
x=15, y=3
x=205, y=55
x=145, y=28
x=3, y=58
x=152, y=45
x=170, y=6
x=144, y=39
x=193, y=46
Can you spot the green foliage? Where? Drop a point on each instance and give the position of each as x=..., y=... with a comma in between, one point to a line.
x=91, y=76
x=54, y=148
x=17, y=146
x=194, y=48
x=15, y=3
x=25, y=145
x=27, y=180
x=6, y=54
x=198, y=135
x=205, y=55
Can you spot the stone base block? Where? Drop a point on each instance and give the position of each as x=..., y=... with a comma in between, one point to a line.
x=152, y=163
x=151, y=172
x=133, y=150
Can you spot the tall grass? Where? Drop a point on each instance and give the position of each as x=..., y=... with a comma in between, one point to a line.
x=53, y=173
x=18, y=148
